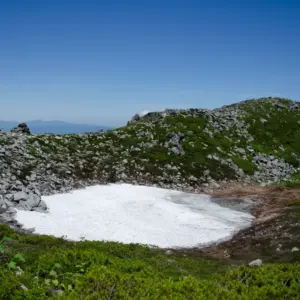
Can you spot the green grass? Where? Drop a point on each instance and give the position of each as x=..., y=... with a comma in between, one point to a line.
x=77, y=261
x=247, y=166
x=99, y=270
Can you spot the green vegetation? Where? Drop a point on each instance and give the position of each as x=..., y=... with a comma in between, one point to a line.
x=221, y=141
x=274, y=125
x=99, y=270
x=293, y=181
x=294, y=203
x=247, y=166
x=55, y=263
x=106, y=270
x=13, y=260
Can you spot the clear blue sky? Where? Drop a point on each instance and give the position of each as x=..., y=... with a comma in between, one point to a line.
x=102, y=61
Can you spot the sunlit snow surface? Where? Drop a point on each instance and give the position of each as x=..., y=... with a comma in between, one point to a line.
x=136, y=214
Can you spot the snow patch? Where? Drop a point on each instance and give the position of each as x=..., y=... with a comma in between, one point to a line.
x=136, y=214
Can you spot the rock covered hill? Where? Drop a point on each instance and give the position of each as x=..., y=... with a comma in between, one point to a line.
x=196, y=149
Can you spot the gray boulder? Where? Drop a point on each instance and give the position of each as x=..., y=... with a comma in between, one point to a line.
x=42, y=206
x=176, y=150
x=20, y=196
x=23, y=205
x=256, y=263
x=34, y=200
x=135, y=118
x=21, y=128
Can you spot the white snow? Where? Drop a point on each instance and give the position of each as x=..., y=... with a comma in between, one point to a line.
x=136, y=214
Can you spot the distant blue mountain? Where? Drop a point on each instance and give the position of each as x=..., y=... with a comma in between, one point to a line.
x=57, y=127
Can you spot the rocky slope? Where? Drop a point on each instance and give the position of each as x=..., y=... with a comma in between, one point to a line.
x=255, y=141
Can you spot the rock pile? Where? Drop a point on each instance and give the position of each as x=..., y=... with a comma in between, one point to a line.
x=21, y=128
x=13, y=192
x=175, y=143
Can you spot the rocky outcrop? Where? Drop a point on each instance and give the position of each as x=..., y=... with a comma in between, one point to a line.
x=21, y=128
x=13, y=192
x=175, y=143
x=192, y=150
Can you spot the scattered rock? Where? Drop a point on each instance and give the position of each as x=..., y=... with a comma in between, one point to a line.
x=23, y=287
x=55, y=292
x=226, y=254
x=295, y=249
x=256, y=263
x=279, y=248
x=19, y=271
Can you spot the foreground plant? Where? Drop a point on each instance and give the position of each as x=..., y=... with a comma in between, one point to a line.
x=107, y=270
x=13, y=261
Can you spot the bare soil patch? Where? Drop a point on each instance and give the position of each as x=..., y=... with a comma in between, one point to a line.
x=274, y=232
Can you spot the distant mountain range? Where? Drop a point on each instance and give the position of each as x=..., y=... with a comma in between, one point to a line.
x=57, y=127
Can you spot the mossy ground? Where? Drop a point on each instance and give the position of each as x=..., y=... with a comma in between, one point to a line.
x=108, y=270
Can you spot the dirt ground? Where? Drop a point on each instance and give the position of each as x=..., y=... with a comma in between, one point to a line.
x=274, y=232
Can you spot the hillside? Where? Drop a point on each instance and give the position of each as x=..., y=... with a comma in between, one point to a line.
x=184, y=149
x=252, y=144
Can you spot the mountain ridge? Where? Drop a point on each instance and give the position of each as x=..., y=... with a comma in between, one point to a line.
x=252, y=141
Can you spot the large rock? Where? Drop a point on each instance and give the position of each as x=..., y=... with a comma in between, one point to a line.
x=256, y=263
x=175, y=140
x=2, y=201
x=23, y=205
x=33, y=200
x=20, y=196
x=21, y=128
x=41, y=207
x=135, y=118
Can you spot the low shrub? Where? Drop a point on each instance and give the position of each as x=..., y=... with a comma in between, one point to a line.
x=107, y=270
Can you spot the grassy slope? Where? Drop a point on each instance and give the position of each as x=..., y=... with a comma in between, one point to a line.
x=140, y=149
x=98, y=270
x=282, y=128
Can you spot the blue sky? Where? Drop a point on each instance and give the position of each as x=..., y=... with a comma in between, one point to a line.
x=102, y=61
